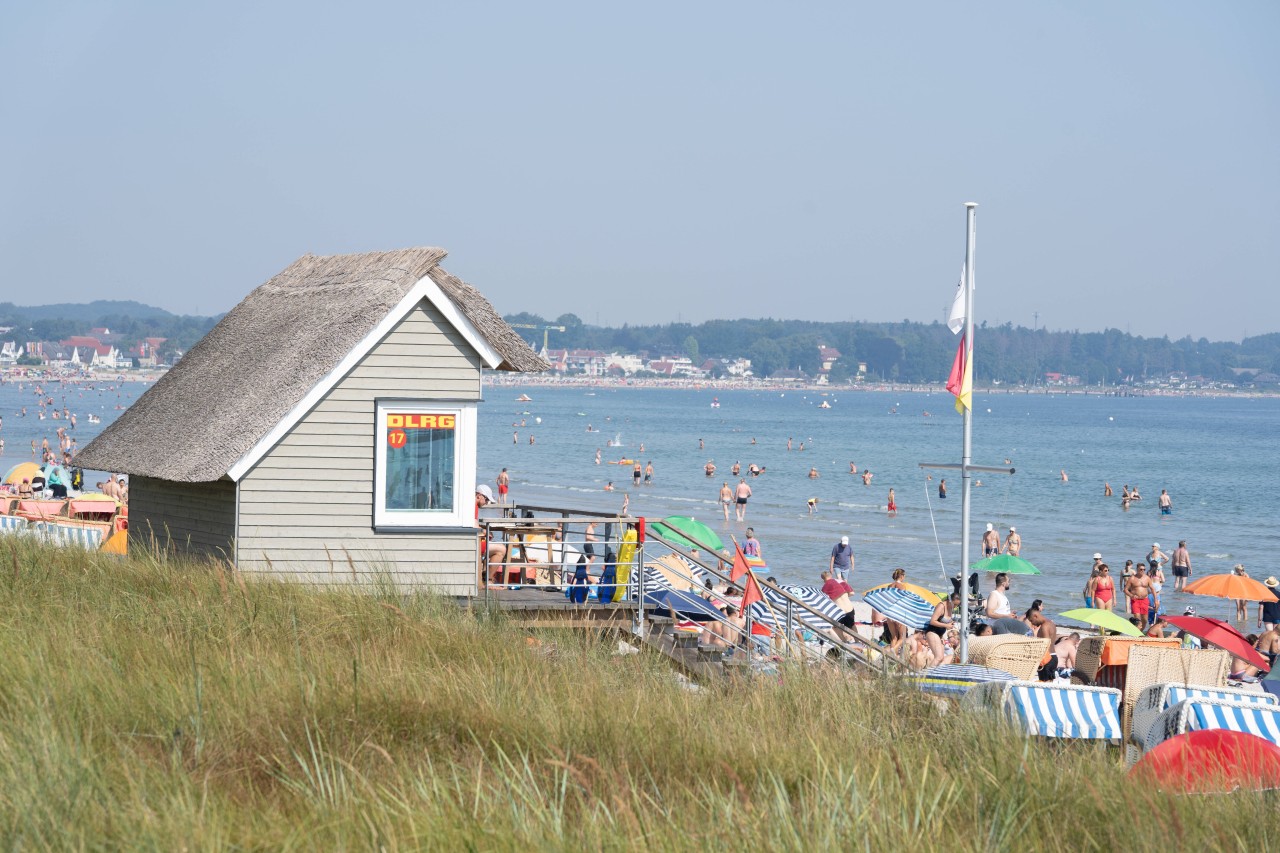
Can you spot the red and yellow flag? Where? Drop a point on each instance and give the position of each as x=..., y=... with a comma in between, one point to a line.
x=960, y=382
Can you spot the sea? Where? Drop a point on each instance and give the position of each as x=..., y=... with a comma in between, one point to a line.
x=1216, y=456
x=23, y=432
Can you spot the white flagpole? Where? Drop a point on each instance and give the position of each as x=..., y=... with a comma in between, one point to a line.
x=971, y=220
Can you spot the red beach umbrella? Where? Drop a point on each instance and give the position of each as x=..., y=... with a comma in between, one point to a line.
x=1215, y=632
x=1212, y=761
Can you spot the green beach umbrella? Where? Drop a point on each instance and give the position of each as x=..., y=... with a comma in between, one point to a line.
x=1007, y=563
x=1102, y=619
x=672, y=527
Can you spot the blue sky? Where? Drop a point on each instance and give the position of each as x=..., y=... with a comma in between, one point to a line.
x=660, y=161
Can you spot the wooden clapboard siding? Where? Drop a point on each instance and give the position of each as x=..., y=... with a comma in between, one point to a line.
x=314, y=490
x=191, y=518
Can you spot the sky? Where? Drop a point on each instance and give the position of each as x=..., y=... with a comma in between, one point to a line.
x=658, y=162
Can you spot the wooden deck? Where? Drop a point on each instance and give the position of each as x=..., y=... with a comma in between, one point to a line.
x=540, y=607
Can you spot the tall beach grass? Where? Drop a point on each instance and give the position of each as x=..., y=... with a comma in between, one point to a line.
x=160, y=703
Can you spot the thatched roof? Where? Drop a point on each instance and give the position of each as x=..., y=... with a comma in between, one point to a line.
x=259, y=363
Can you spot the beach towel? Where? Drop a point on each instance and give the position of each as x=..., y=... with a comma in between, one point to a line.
x=626, y=558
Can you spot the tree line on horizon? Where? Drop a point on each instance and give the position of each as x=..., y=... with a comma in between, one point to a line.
x=917, y=352
x=129, y=326
x=908, y=351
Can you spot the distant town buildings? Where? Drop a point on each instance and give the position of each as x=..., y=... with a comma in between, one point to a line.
x=96, y=351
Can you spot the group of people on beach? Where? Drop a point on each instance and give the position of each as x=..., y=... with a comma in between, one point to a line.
x=56, y=454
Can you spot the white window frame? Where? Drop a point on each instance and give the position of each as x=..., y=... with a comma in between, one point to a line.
x=464, y=467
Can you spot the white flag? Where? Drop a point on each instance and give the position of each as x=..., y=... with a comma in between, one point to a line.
x=956, y=321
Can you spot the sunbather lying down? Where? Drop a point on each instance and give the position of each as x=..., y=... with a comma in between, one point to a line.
x=1241, y=669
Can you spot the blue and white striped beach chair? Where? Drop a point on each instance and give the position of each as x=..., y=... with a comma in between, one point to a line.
x=1192, y=715
x=89, y=538
x=40, y=530
x=1158, y=698
x=1065, y=711
x=14, y=525
x=1053, y=710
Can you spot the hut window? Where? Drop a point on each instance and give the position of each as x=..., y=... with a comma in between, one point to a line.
x=425, y=465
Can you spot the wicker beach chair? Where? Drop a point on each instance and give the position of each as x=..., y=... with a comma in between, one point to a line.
x=1201, y=714
x=1150, y=665
x=1158, y=698
x=1018, y=656
x=1104, y=660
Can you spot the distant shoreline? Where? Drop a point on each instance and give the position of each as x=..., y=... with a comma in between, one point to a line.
x=37, y=374
x=523, y=380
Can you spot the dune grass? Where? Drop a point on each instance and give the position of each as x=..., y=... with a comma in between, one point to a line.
x=154, y=703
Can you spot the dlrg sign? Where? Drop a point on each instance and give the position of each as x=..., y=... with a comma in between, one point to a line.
x=397, y=425
x=420, y=421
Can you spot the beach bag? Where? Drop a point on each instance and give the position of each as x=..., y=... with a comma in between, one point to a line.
x=608, y=578
x=578, y=591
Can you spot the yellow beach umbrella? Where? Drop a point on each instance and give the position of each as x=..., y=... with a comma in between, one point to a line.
x=22, y=471
x=927, y=595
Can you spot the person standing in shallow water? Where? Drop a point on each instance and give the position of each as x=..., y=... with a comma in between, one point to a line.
x=942, y=488
x=741, y=495
x=1013, y=543
x=990, y=542
x=1181, y=566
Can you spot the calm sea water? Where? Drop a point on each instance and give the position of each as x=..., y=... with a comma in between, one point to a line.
x=1216, y=457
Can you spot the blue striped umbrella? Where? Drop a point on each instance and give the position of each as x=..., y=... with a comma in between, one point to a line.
x=954, y=678
x=672, y=603
x=901, y=605
x=814, y=598
x=815, y=601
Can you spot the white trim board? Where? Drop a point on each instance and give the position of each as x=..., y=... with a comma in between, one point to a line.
x=425, y=288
